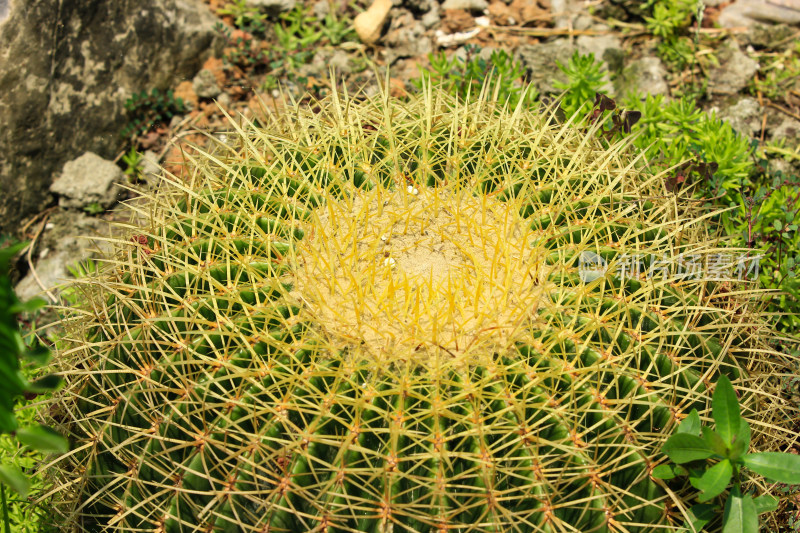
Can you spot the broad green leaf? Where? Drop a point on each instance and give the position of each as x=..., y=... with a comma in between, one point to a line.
x=7, y=253
x=13, y=381
x=43, y=439
x=775, y=466
x=700, y=514
x=684, y=448
x=715, y=442
x=663, y=472
x=46, y=383
x=690, y=424
x=30, y=306
x=39, y=354
x=715, y=480
x=765, y=503
x=725, y=409
x=741, y=442
x=740, y=514
x=8, y=422
x=14, y=478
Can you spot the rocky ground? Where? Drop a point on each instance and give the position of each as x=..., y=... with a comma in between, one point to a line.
x=737, y=43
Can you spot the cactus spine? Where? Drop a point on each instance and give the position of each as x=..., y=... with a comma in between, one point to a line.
x=371, y=318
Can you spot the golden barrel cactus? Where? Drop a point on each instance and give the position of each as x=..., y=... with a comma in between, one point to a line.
x=374, y=315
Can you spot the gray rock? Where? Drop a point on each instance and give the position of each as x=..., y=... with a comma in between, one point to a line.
x=780, y=165
x=748, y=12
x=62, y=245
x=321, y=9
x=466, y=5
x=406, y=37
x=583, y=22
x=325, y=58
x=606, y=48
x=225, y=100
x=88, y=179
x=598, y=44
x=645, y=76
x=416, y=6
x=431, y=18
x=566, y=13
x=788, y=129
x=744, y=115
x=341, y=61
x=770, y=35
x=622, y=10
x=272, y=7
x=66, y=69
x=205, y=84
x=735, y=69
x=539, y=61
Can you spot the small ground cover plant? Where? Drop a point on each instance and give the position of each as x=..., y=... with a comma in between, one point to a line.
x=242, y=49
x=778, y=75
x=465, y=76
x=147, y=111
x=693, y=447
x=584, y=81
x=245, y=17
x=298, y=34
x=15, y=385
x=133, y=165
x=669, y=23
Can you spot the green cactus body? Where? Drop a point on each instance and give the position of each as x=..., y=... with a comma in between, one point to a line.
x=372, y=319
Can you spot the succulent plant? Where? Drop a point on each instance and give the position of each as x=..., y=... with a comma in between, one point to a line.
x=369, y=315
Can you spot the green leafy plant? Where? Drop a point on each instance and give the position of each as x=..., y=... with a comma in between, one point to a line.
x=669, y=17
x=724, y=168
x=778, y=74
x=713, y=459
x=241, y=49
x=13, y=350
x=133, y=165
x=584, y=81
x=80, y=269
x=297, y=33
x=767, y=221
x=464, y=77
x=668, y=23
x=246, y=18
x=94, y=208
x=672, y=132
x=147, y=111
x=335, y=29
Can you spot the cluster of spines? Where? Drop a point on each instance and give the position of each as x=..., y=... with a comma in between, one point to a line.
x=198, y=324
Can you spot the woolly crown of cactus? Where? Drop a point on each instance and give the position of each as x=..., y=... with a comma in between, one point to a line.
x=374, y=315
